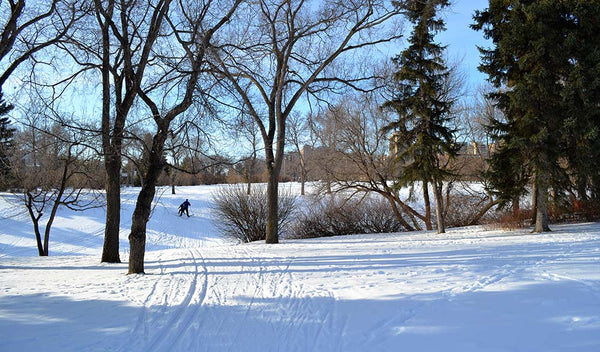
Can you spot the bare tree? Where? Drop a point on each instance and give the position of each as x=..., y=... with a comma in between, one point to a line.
x=53, y=169
x=128, y=33
x=286, y=49
x=192, y=28
x=361, y=161
x=298, y=135
x=66, y=24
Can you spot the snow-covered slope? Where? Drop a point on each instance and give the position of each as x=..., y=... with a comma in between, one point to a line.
x=472, y=289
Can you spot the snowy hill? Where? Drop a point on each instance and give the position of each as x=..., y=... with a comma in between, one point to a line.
x=472, y=289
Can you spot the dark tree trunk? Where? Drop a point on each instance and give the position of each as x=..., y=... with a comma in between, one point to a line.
x=36, y=223
x=47, y=239
x=38, y=238
x=112, y=156
x=143, y=207
x=272, y=234
x=274, y=159
x=397, y=212
x=427, y=202
x=110, y=251
x=137, y=236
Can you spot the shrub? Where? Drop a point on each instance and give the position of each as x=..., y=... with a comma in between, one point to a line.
x=509, y=221
x=334, y=216
x=465, y=209
x=244, y=217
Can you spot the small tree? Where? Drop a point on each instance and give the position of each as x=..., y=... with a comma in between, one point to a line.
x=52, y=173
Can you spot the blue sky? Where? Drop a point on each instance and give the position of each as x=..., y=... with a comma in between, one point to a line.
x=461, y=40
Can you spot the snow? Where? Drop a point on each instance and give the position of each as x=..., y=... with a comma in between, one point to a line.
x=471, y=289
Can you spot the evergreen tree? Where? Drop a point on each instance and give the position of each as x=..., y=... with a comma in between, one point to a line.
x=6, y=138
x=581, y=97
x=423, y=108
x=538, y=67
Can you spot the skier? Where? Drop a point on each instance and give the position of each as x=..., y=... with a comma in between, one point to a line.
x=184, y=208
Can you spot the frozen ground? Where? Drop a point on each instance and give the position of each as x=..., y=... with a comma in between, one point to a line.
x=472, y=289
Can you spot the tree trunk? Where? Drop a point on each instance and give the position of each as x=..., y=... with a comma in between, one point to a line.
x=112, y=156
x=427, y=202
x=272, y=234
x=137, y=237
x=36, y=223
x=47, y=241
x=439, y=212
x=143, y=207
x=38, y=238
x=534, y=201
x=397, y=212
x=482, y=212
x=110, y=251
x=541, y=213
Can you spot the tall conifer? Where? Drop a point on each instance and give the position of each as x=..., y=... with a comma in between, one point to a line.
x=544, y=62
x=422, y=130
x=581, y=98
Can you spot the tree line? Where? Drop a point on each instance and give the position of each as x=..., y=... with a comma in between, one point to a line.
x=117, y=84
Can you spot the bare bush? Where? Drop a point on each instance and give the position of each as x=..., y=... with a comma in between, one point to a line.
x=334, y=216
x=243, y=216
x=512, y=221
x=468, y=209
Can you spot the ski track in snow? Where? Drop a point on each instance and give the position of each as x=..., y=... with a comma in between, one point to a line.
x=180, y=302
x=184, y=309
x=181, y=320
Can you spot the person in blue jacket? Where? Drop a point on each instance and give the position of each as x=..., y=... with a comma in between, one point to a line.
x=184, y=208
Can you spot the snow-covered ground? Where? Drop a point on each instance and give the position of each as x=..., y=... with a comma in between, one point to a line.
x=472, y=289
